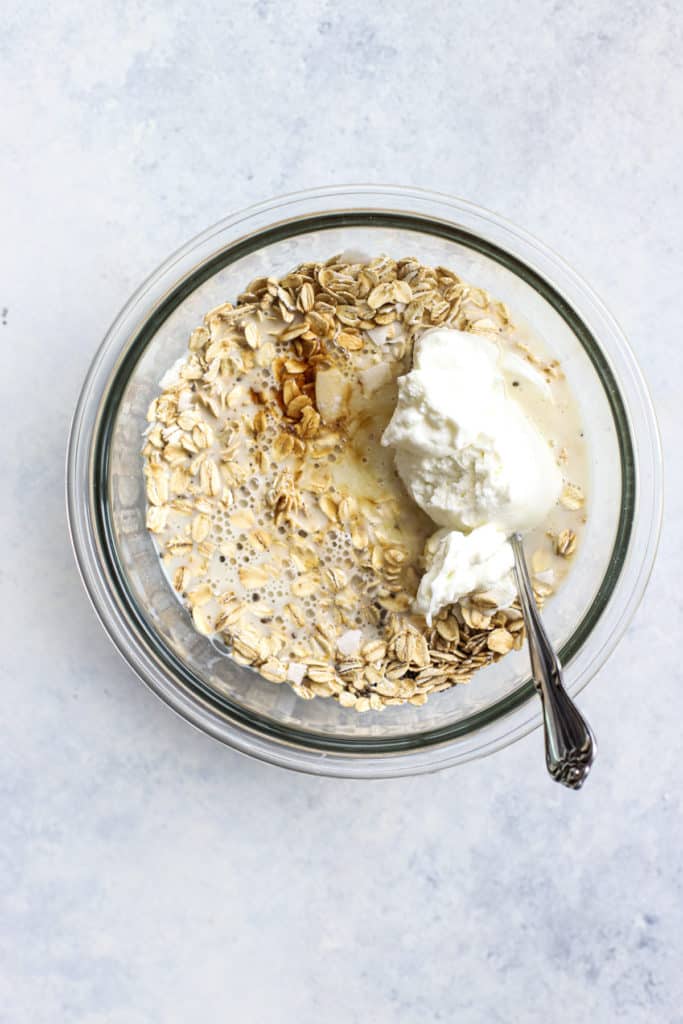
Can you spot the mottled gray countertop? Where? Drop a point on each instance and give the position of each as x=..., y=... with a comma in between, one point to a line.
x=147, y=873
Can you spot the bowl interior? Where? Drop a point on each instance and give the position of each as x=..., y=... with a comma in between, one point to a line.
x=198, y=662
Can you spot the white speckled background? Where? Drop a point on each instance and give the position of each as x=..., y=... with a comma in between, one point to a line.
x=146, y=873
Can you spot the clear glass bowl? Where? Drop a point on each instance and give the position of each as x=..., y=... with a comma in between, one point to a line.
x=121, y=571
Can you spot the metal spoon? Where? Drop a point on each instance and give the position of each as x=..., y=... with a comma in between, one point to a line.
x=569, y=743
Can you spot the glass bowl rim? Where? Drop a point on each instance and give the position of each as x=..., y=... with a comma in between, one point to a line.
x=87, y=472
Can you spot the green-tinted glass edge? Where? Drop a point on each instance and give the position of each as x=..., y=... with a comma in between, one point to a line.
x=228, y=255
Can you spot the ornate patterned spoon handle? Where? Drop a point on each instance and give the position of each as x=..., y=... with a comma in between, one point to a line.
x=569, y=743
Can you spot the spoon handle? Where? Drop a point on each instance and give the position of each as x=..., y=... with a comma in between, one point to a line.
x=569, y=743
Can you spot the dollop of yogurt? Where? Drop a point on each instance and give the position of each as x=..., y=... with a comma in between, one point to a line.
x=466, y=563
x=472, y=459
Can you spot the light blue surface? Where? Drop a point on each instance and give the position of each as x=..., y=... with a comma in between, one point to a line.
x=146, y=873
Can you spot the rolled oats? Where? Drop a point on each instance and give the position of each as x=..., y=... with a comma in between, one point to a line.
x=242, y=461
